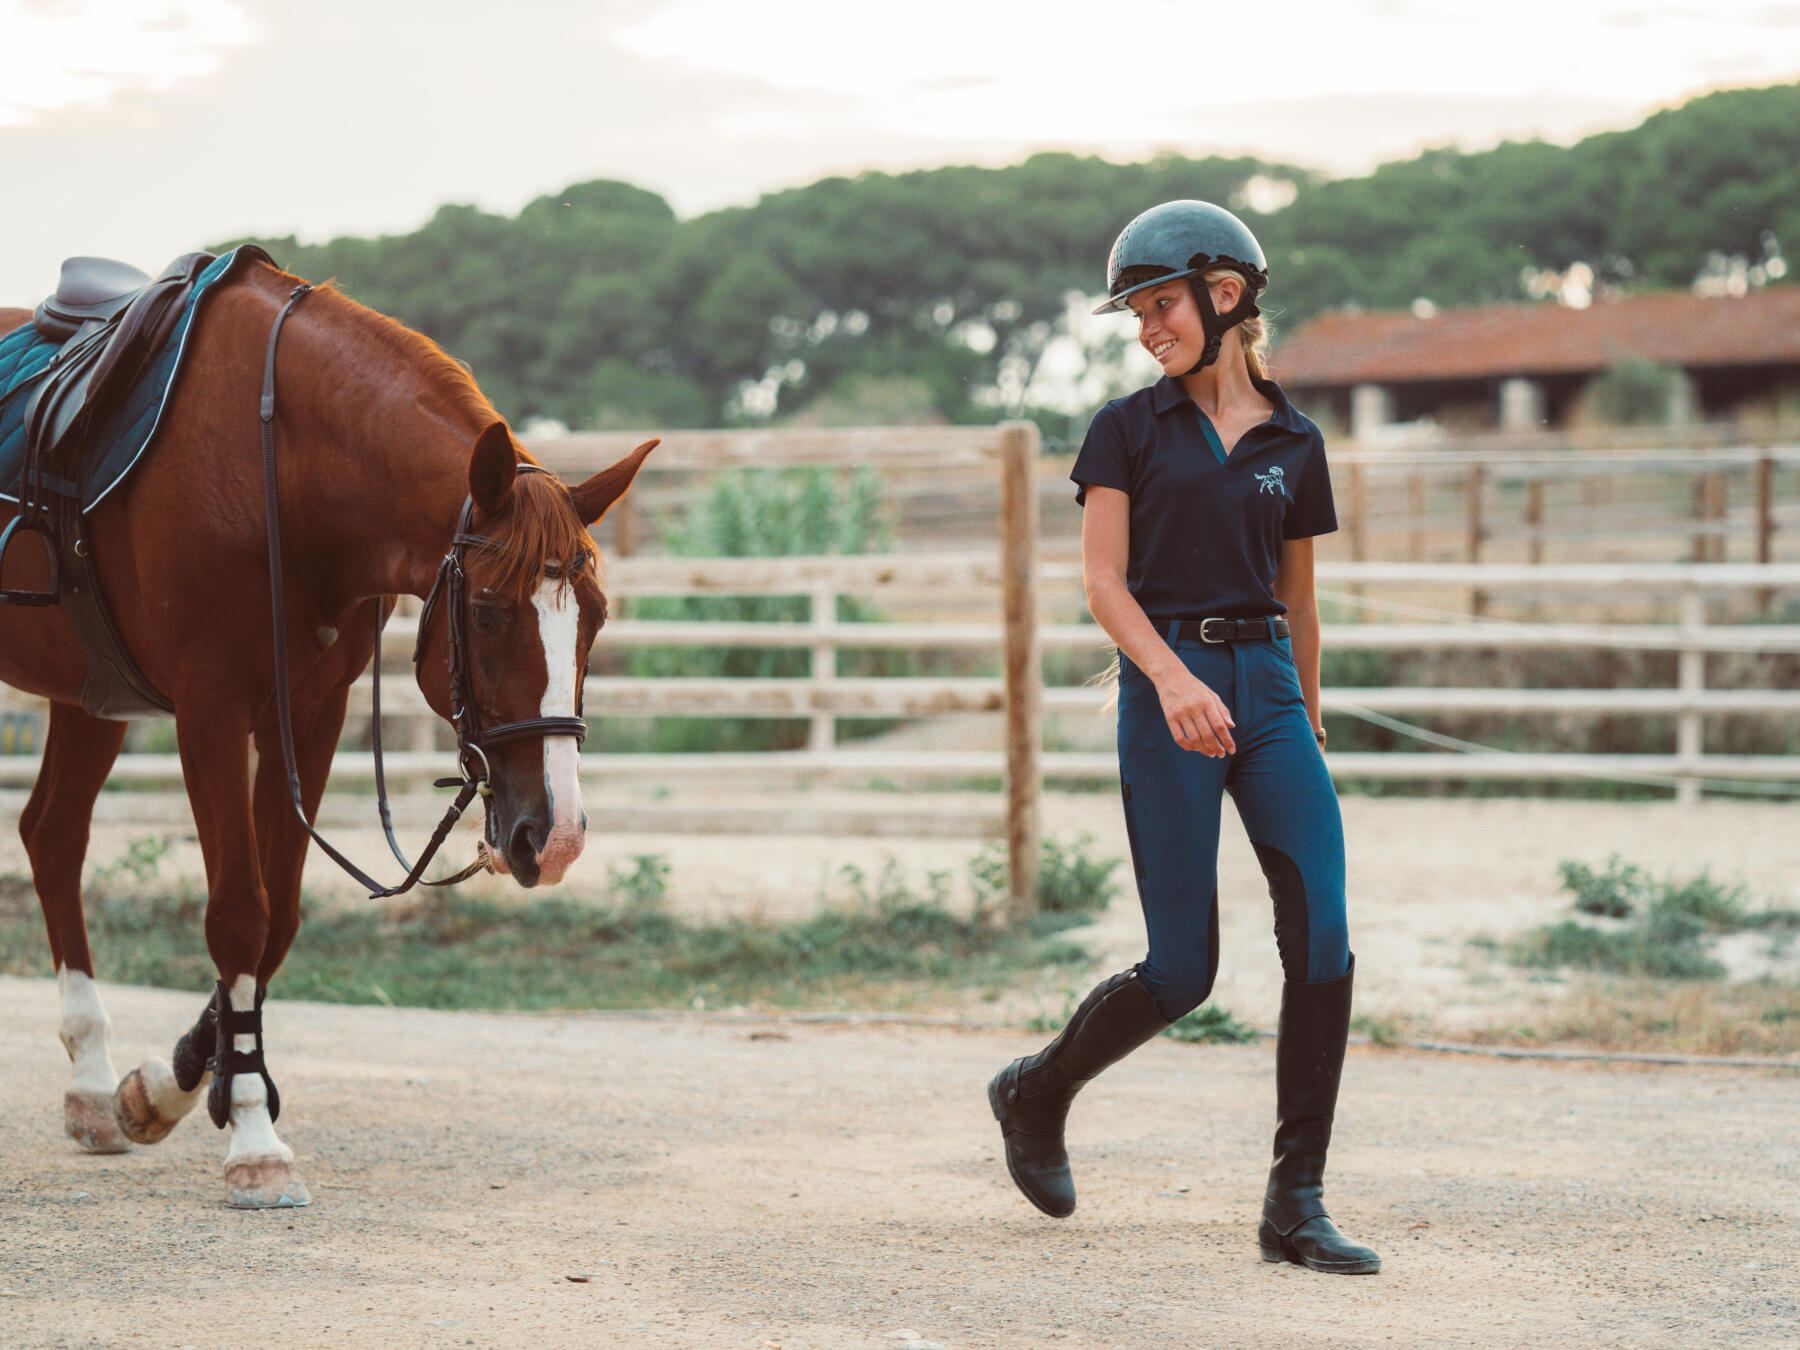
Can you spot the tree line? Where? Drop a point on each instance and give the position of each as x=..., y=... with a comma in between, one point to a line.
x=935, y=294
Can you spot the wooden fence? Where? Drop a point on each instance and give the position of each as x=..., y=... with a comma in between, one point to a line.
x=1717, y=498
x=1018, y=587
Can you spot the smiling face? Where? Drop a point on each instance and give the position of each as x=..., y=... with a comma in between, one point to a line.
x=1169, y=323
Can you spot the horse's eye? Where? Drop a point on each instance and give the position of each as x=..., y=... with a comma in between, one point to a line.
x=488, y=619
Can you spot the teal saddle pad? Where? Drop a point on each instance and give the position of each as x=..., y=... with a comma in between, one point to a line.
x=116, y=444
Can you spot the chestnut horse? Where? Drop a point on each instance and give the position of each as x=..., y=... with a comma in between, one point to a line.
x=383, y=440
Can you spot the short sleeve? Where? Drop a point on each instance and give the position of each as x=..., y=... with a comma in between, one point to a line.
x=1313, y=511
x=1104, y=460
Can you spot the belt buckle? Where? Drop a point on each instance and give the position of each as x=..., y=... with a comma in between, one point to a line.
x=1215, y=641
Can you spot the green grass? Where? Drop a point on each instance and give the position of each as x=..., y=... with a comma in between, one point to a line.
x=897, y=944
x=455, y=951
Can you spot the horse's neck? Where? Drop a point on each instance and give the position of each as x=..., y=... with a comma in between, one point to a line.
x=386, y=469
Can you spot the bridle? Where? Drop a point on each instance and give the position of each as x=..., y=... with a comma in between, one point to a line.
x=450, y=588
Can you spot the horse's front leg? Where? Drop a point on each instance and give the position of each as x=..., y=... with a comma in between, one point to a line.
x=259, y=1168
x=78, y=754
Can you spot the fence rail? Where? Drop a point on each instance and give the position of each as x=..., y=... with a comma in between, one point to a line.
x=824, y=696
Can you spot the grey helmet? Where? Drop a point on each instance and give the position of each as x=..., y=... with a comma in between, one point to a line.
x=1186, y=239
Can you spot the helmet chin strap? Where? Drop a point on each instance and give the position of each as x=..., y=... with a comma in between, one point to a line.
x=1215, y=324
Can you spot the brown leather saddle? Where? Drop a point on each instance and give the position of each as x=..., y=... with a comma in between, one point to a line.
x=112, y=321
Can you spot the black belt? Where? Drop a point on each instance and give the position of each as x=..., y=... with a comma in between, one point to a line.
x=1213, y=631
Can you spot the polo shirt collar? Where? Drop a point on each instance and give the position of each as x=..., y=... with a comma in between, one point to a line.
x=1168, y=393
x=1286, y=416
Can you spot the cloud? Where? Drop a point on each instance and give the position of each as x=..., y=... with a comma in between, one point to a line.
x=82, y=53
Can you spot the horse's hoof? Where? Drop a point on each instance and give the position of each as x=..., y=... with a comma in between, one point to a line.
x=265, y=1183
x=88, y=1118
x=139, y=1106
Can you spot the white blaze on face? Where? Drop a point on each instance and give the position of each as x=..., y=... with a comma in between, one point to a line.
x=558, y=619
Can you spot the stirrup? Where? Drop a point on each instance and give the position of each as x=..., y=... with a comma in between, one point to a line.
x=34, y=598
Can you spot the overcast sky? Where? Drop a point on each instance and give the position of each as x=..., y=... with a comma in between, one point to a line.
x=144, y=128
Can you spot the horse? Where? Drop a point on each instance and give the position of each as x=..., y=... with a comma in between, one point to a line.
x=390, y=461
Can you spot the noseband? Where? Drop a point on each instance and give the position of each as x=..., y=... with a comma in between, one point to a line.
x=451, y=585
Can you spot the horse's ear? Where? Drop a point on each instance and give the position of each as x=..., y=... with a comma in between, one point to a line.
x=594, y=497
x=493, y=467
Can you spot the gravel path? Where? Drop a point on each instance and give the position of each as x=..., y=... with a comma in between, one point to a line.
x=733, y=1183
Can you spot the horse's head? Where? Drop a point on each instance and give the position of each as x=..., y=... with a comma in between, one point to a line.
x=507, y=637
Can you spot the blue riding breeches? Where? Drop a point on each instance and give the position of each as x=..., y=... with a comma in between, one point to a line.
x=1277, y=778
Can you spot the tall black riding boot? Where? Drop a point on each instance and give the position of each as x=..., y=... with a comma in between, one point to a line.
x=1309, y=1059
x=1031, y=1096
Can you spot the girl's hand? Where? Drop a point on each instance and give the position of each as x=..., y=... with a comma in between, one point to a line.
x=1198, y=718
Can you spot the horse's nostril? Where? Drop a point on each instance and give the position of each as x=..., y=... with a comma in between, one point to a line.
x=528, y=839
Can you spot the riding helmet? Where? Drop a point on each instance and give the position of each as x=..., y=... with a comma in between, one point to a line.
x=1180, y=239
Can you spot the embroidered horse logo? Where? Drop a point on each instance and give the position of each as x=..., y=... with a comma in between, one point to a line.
x=1272, y=482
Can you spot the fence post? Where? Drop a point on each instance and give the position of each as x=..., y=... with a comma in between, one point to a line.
x=1691, y=679
x=625, y=526
x=1697, y=546
x=1415, y=503
x=823, y=734
x=1475, y=532
x=1534, y=517
x=1358, y=508
x=1765, y=523
x=1718, y=510
x=1024, y=670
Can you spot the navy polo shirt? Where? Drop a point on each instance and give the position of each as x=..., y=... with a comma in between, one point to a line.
x=1207, y=527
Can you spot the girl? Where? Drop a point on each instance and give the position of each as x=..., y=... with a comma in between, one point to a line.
x=1201, y=496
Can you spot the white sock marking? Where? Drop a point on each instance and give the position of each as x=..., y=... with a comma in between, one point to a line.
x=84, y=1031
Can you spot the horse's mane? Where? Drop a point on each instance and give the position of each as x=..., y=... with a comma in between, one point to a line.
x=541, y=534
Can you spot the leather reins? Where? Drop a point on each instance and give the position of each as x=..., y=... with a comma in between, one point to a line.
x=451, y=588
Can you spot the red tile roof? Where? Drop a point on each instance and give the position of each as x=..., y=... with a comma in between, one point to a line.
x=1672, y=328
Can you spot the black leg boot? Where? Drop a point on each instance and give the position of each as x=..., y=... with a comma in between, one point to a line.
x=1309, y=1059
x=1031, y=1096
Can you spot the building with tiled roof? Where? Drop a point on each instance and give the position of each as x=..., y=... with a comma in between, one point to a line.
x=1519, y=367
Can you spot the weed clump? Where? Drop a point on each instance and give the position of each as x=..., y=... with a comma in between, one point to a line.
x=1072, y=883
x=1648, y=927
x=1211, y=1025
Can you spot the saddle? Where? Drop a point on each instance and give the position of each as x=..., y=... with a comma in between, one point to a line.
x=113, y=323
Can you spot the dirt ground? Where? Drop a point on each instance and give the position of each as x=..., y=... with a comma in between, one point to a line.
x=712, y=1181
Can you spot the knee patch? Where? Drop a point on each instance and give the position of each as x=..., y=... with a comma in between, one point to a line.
x=1287, y=888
